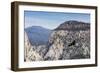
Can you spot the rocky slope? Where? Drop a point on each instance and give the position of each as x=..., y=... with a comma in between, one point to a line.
x=29, y=53
x=70, y=40
x=69, y=45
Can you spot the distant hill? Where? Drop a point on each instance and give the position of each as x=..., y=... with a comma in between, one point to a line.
x=38, y=35
x=73, y=25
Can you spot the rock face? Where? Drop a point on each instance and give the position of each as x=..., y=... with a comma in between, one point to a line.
x=69, y=45
x=70, y=40
x=56, y=46
x=30, y=53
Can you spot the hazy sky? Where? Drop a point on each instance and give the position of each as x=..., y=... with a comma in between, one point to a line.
x=51, y=20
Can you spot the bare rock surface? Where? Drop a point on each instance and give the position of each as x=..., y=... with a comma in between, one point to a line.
x=30, y=53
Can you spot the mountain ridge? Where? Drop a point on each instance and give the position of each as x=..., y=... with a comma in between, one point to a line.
x=73, y=25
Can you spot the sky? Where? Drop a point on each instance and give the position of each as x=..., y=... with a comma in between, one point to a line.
x=52, y=20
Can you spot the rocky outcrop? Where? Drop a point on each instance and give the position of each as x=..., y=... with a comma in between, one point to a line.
x=55, y=46
x=30, y=53
x=69, y=45
x=70, y=40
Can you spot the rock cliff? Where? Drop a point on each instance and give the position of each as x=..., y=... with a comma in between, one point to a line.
x=29, y=53
x=69, y=45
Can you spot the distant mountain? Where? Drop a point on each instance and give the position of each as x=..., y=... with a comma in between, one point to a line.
x=38, y=35
x=73, y=25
